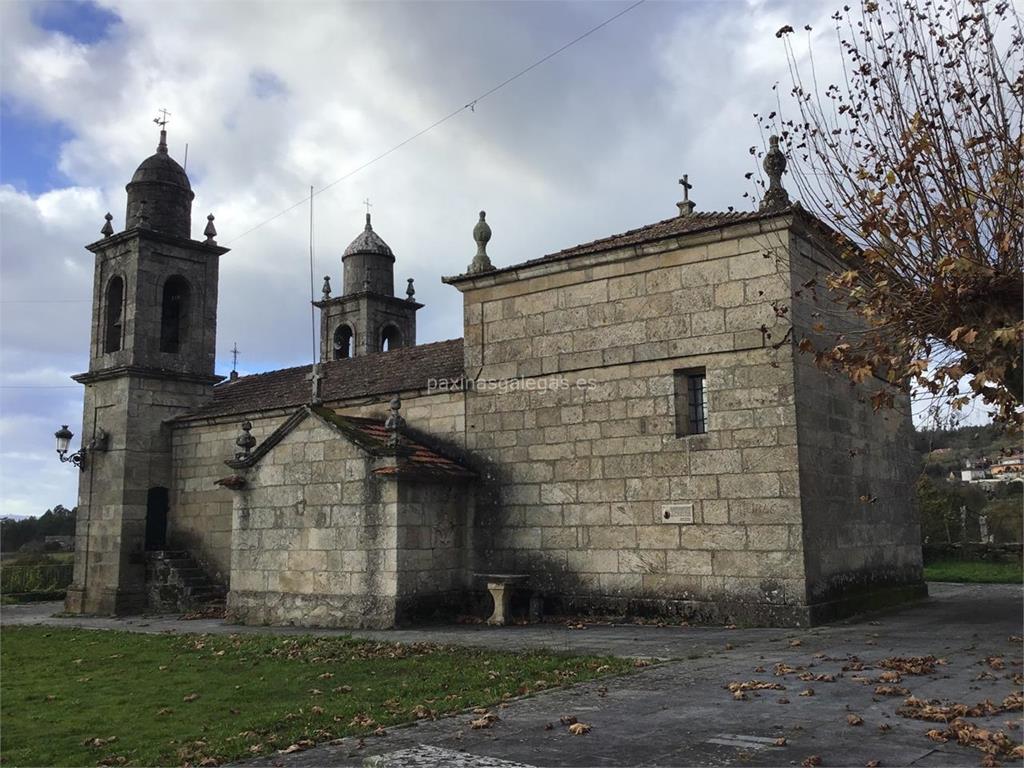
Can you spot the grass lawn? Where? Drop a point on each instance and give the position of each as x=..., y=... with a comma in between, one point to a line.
x=980, y=572
x=80, y=697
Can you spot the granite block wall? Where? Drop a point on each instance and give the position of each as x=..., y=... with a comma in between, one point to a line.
x=862, y=535
x=574, y=414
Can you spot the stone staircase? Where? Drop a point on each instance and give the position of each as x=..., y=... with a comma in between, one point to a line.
x=175, y=583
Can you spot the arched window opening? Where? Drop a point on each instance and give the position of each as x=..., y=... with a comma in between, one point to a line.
x=174, y=314
x=390, y=339
x=113, y=315
x=343, y=338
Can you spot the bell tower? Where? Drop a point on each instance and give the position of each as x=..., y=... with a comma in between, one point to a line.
x=152, y=355
x=367, y=317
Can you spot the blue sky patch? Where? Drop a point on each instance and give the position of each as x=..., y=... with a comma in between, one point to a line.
x=30, y=151
x=81, y=20
x=264, y=84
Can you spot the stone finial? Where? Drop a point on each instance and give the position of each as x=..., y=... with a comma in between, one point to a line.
x=482, y=234
x=774, y=165
x=685, y=205
x=327, y=288
x=246, y=442
x=410, y=292
x=108, y=228
x=211, y=231
x=394, y=422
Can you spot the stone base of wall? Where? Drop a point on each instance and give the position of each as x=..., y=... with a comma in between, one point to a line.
x=427, y=609
x=104, y=602
x=865, y=601
x=720, y=612
x=310, y=610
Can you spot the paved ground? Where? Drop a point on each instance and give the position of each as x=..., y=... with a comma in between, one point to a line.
x=678, y=713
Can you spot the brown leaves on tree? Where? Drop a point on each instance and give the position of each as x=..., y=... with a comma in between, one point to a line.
x=914, y=160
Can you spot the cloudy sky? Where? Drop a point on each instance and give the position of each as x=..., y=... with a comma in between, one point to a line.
x=274, y=97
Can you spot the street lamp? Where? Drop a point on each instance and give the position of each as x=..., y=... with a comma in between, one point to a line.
x=78, y=458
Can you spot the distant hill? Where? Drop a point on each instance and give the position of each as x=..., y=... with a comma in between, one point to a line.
x=945, y=450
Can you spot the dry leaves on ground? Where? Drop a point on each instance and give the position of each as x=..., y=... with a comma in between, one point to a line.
x=579, y=729
x=810, y=676
x=968, y=734
x=919, y=709
x=855, y=720
x=784, y=669
x=891, y=690
x=190, y=697
x=912, y=665
x=754, y=685
x=486, y=720
x=96, y=742
x=811, y=761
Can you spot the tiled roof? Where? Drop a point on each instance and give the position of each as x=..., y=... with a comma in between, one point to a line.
x=399, y=370
x=422, y=460
x=677, y=225
x=414, y=459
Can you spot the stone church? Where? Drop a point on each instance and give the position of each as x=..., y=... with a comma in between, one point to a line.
x=625, y=428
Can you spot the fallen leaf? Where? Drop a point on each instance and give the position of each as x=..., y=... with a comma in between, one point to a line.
x=567, y=719
x=872, y=764
x=807, y=692
x=578, y=729
x=549, y=726
x=855, y=720
x=780, y=742
x=190, y=697
x=795, y=642
x=884, y=727
x=164, y=711
x=936, y=735
x=810, y=762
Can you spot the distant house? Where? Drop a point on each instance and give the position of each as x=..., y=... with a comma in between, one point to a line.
x=973, y=474
x=1008, y=468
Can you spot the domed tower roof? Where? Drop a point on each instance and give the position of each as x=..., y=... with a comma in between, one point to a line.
x=160, y=195
x=369, y=264
x=370, y=242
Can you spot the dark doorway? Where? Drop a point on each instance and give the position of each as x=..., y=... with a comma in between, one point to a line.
x=156, y=518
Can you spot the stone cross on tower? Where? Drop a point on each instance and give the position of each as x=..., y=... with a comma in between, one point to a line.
x=685, y=205
x=368, y=205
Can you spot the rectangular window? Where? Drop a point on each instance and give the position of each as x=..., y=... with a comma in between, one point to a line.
x=691, y=401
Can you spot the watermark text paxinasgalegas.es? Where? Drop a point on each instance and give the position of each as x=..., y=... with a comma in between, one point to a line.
x=503, y=386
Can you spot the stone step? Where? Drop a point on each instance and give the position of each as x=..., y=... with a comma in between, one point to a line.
x=177, y=574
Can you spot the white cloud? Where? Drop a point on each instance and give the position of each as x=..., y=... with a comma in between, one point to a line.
x=272, y=98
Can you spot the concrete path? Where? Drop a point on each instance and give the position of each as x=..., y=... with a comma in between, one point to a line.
x=678, y=713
